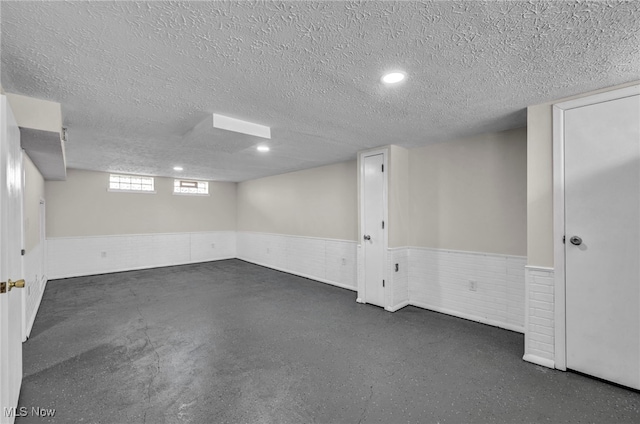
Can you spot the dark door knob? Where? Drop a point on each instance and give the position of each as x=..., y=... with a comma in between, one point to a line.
x=367, y=237
x=575, y=240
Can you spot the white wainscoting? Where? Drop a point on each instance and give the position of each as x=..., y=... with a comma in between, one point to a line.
x=36, y=281
x=326, y=260
x=433, y=279
x=439, y=281
x=77, y=256
x=398, y=280
x=539, y=339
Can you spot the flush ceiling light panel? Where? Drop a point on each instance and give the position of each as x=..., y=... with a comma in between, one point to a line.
x=393, y=77
x=239, y=126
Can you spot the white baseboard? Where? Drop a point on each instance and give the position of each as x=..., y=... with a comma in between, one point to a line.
x=300, y=274
x=398, y=306
x=539, y=361
x=469, y=317
x=139, y=268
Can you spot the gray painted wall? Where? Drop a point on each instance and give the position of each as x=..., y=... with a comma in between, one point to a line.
x=82, y=206
x=317, y=202
x=470, y=194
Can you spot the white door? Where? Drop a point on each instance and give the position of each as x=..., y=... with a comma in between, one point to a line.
x=10, y=263
x=602, y=250
x=373, y=229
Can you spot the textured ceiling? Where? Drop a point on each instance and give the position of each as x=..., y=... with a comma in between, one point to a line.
x=134, y=78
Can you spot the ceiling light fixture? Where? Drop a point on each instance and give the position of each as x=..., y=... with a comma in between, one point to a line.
x=393, y=77
x=243, y=127
x=263, y=148
x=177, y=168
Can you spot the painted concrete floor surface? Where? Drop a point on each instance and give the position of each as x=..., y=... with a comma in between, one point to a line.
x=233, y=342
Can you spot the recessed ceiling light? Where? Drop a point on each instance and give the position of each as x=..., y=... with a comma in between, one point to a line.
x=263, y=148
x=393, y=77
x=177, y=168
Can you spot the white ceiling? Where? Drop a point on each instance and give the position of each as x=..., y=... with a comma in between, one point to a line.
x=134, y=78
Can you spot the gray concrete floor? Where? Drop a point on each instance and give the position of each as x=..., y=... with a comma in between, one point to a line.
x=232, y=342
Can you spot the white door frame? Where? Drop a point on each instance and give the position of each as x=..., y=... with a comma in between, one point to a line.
x=42, y=235
x=559, y=109
x=362, y=289
x=23, y=293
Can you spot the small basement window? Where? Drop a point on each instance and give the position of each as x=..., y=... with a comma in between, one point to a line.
x=131, y=183
x=197, y=188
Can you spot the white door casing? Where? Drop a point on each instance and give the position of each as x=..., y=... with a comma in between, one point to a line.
x=43, y=236
x=21, y=236
x=597, y=198
x=11, y=230
x=373, y=226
